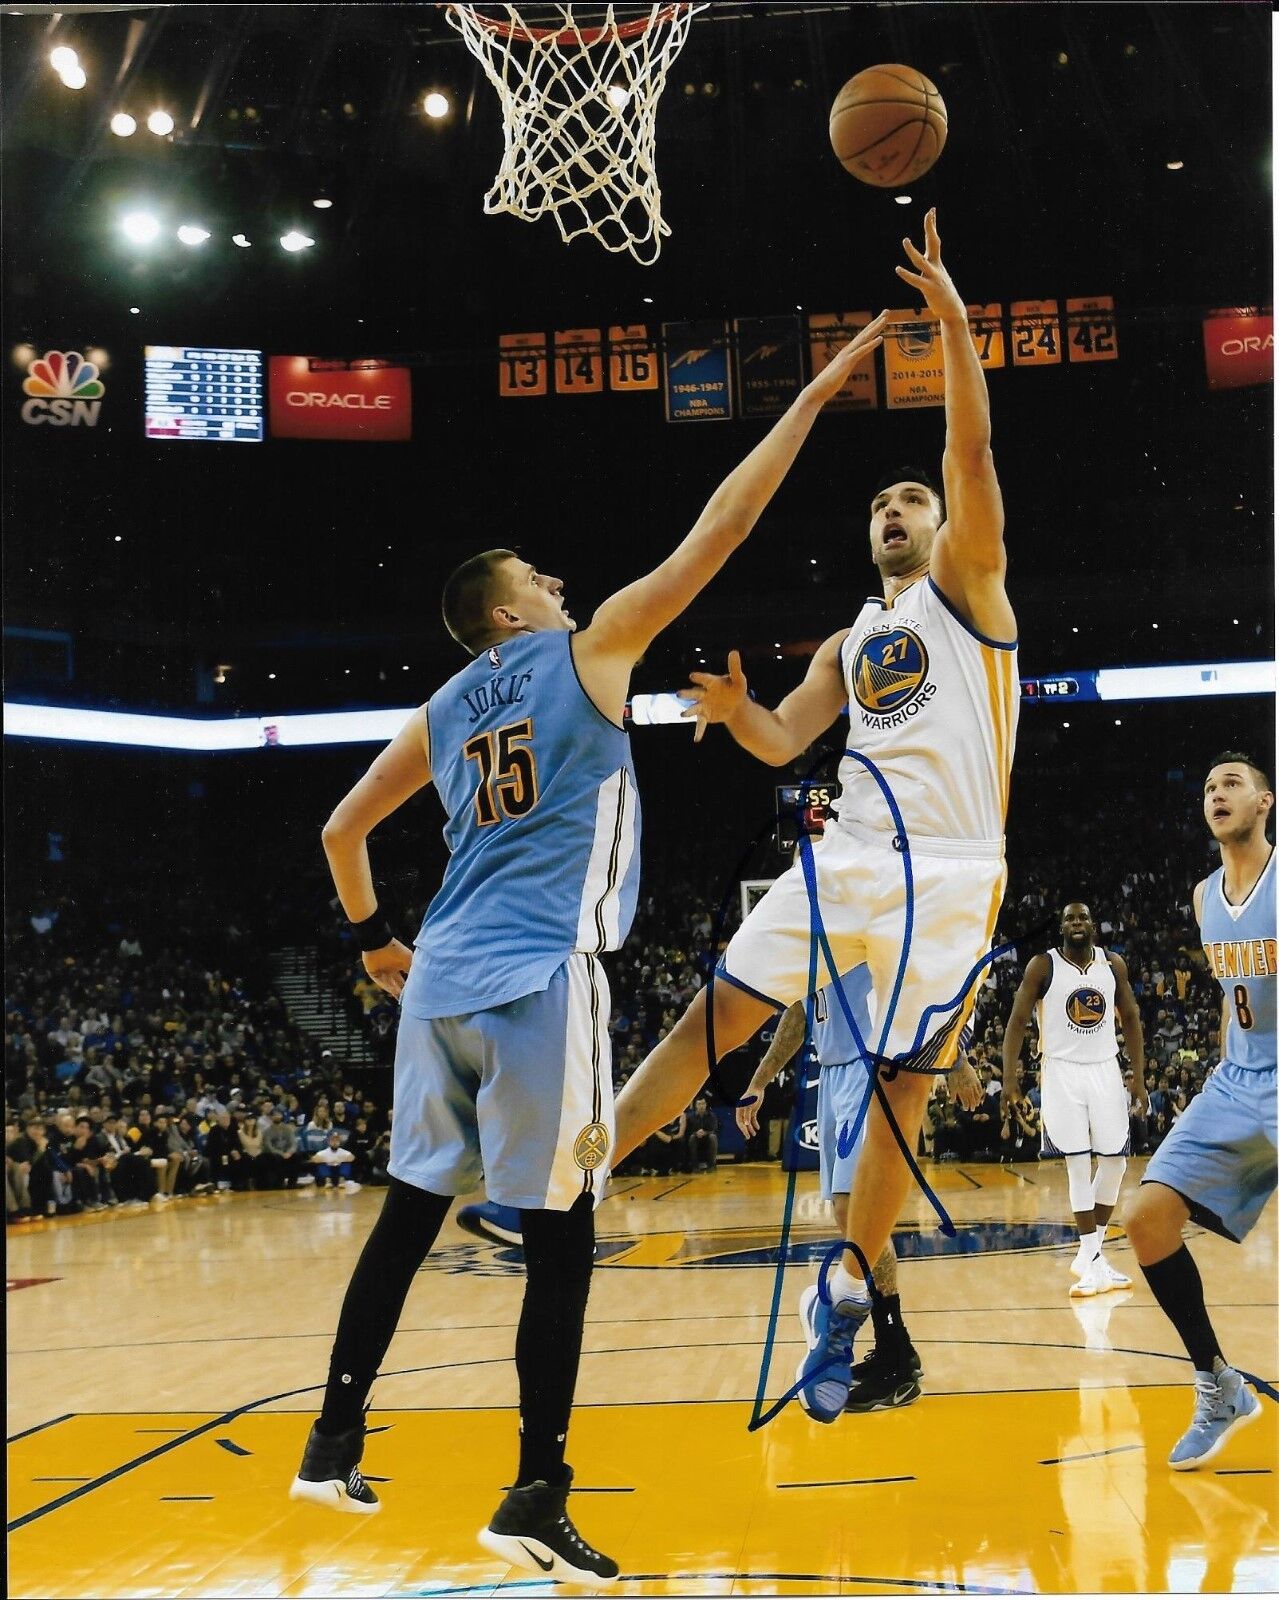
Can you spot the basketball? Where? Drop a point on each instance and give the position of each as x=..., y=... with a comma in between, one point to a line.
x=888, y=125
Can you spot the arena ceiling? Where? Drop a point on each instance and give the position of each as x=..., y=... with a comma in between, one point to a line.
x=1058, y=178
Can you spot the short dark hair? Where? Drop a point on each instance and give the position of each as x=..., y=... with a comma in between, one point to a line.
x=908, y=474
x=470, y=595
x=1242, y=759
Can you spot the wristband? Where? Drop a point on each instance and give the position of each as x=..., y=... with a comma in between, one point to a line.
x=373, y=933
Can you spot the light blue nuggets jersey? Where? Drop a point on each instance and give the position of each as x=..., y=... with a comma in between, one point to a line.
x=543, y=830
x=1239, y=942
x=833, y=1040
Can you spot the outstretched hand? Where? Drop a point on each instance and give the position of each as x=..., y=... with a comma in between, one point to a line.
x=930, y=277
x=715, y=696
x=832, y=378
x=389, y=966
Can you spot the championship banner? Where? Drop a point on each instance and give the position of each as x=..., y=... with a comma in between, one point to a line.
x=770, y=365
x=521, y=364
x=632, y=360
x=828, y=333
x=1239, y=348
x=1036, y=333
x=1090, y=329
x=579, y=361
x=695, y=369
x=364, y=401
x=986, y=324
x=913, y=372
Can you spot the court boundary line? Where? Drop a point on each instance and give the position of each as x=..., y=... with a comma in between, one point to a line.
x=226, y=1417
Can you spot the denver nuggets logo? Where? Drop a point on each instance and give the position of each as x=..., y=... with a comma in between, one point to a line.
x=591, y=1146
x=1086, y=1008
x=890, y=671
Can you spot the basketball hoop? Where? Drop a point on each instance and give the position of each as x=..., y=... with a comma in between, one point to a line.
x=579, y=88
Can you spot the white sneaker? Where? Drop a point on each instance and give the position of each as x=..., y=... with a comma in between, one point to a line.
x=160, y=1197
x=352, y=1187
x=306, y=1180
x=1091, y=1281
x=1114, y=1278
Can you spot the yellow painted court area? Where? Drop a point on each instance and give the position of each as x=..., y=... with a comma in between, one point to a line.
x=1035, y=1462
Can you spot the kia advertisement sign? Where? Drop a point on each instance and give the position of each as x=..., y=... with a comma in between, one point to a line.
x=360, y=400
x=1239, y=347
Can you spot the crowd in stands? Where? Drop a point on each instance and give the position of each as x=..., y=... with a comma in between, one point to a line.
x=148, y=1057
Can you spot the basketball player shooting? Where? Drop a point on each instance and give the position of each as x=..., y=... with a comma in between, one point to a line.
x=929, y=675
x=502, y=1060
x=1078, y=990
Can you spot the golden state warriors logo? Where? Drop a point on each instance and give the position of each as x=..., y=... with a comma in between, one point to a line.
x=591, y=1146
x=891, y=672
x=1086, y=1009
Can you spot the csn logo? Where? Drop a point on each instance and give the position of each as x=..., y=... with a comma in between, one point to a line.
x=65, y=391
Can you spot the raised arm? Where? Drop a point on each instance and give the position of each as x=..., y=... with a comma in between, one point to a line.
x=968, y=560
x=1033, y=985
x=627, y=623
x=399, y=772
x=775, y=736
x=1134, y=1035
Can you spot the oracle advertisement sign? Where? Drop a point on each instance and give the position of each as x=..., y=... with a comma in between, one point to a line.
x=361, y=400
x=1239, y=347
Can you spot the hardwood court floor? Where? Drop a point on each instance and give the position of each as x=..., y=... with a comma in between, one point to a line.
x=164, y=1368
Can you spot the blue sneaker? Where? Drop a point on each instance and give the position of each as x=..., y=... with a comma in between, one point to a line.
x=488, y=1220
x=1223, y=1404
x=826, y=1372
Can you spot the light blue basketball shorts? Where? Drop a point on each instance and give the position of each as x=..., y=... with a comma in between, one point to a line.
x=519, y=1096
x=1220, y=1154
x=840, y=1092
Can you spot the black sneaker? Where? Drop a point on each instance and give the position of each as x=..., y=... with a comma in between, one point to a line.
x=330, y=1473
x=881, y=1383
x=531, y=1529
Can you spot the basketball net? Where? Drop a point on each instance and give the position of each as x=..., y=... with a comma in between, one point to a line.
x=579, y=109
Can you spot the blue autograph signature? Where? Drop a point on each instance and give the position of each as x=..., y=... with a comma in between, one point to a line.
x=877, y=1060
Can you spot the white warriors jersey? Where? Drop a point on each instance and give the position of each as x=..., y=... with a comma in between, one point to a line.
x=1077, y=1011
x=934, y=705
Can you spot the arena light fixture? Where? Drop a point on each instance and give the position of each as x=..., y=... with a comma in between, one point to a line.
x=1174, y=166
x=75, y=77
x=160, y=123
x=190, y=233
x=902, y=199
x=435, y=104
x=123, y=125
x=63, y=59
x=322, y=203
x=85, y=725
x=293, y=241
x=240, y=240
x=618, y=96
x=140, y=227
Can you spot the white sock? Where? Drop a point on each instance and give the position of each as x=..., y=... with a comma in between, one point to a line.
x=843, y=1286
x=1089, y=1245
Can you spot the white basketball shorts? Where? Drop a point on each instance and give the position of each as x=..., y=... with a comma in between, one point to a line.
x=924, y=940
x=1084, y=1108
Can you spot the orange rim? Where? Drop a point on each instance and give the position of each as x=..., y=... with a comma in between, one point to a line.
x=588, y=36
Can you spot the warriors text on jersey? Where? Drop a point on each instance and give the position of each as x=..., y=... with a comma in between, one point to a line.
x=1239, y=942
x=543, y=829
x=934, y=705
x=1077, y=1011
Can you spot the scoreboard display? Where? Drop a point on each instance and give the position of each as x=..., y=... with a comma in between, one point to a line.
x=193, y=392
